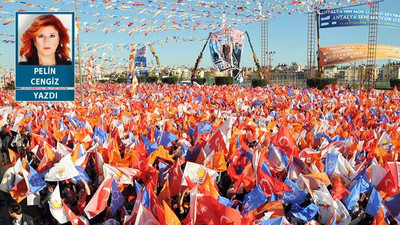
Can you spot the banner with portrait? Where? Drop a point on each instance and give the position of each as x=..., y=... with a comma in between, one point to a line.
x=355, y=52
x=226, y=48
x=141, y=62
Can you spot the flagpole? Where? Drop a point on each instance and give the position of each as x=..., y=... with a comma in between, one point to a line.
x=79, y=56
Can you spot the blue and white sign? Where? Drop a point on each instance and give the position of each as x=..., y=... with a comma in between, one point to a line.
x=356, y=17
x=141, y=62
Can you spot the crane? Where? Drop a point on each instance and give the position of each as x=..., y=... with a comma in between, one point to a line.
x=255, y=58
x=157, y=59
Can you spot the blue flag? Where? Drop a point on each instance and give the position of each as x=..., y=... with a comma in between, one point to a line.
x=78, y=122
x=294, y=196
x=167, y=138
x=117, y=199
x=305, y=214
x=185, y=152
x=265, y=168
x=256, y=103
x=274, y=221
x=336, y=138
x=149, y=146
x=99, y=135
x=191, y=131
x=354, y=195
x=82, y=175
x=163, y=170
x=203, y=127
x=157, y=133
x=253, y=200
x=225, y=201
x=364, y=186
x=36, y=183
x=374, y=203
x=392, y=205
x=330, y=163
x=145, y=194
x=60, y=123
x=290, y=92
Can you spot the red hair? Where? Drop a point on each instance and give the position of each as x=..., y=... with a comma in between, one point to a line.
x=28, y=49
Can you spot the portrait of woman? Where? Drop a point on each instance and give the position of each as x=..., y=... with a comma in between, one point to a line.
x=45, y=42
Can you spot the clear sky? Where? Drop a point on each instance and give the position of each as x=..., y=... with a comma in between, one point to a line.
x=287, y=33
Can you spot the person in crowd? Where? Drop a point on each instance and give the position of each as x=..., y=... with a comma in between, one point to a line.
x=19, y=218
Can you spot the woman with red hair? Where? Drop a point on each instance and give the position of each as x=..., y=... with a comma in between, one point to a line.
x=45, y=42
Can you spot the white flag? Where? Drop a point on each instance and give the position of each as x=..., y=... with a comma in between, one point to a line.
x=197, y=173
x=63, y=170
x=56, y=208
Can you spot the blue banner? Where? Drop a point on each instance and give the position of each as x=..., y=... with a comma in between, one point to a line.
x=45, y=76
x=141, y=62
x=356, y=17
x=44, y=95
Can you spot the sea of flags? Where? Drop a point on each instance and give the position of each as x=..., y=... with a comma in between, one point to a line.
x=275, y=164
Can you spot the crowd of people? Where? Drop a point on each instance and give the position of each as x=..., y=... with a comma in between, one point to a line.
x=179, y=154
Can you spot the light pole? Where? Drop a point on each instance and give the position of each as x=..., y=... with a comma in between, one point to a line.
x=269, y=55
x=79, y=56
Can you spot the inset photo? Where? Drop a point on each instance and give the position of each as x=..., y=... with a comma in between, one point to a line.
x=44, y=39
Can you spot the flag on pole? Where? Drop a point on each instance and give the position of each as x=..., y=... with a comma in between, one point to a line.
x=74, y=219
x=63, y=170
x=117, y=199
x=99, y=200
x=56, y=207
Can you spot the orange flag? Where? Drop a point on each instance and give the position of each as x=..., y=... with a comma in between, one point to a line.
x=208, y=186
x=48, y=159
x=165, y=194
x=275, y=206
x=20, y=190
x=13, y=156
x=170, y=217
x=339, y=191
x=219, y=163
x=379, y=218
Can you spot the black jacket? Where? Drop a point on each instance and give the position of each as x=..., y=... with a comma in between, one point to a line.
x=26, y=220
x=35, y=61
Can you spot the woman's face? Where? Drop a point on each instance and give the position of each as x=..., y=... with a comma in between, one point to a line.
x=47, y=41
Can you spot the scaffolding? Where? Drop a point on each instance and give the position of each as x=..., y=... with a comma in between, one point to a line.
x=311, y=45
x=372, y=44
x=264, y=48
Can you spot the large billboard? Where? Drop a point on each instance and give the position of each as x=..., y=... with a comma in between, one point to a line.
x=356, y=17
x=226, y=47
x=141, y=62
x=355, y=52
x=44, y=59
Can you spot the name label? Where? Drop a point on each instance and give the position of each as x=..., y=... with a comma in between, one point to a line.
x=44, y=70
x=44, y=95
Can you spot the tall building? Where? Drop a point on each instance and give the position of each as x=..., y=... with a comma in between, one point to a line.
x=390, y=71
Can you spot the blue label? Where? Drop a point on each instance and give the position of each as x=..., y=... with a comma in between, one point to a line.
x=45, y=76
x=44, y=95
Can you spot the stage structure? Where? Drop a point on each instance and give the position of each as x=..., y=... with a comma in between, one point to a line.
x=372, y=42
x=264, y=49
x=226, y=47
x=311, y=44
